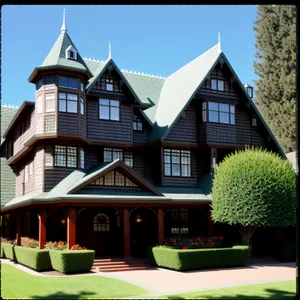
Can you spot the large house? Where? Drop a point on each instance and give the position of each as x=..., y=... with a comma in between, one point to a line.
x=117, y=160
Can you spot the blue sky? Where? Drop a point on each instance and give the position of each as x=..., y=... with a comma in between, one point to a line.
x=145, y=38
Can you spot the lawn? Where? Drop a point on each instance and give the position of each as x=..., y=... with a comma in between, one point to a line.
x=271, y=290
x=19, y=284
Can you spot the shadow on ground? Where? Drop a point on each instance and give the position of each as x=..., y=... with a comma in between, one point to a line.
x=61, y=295
x=272, y=294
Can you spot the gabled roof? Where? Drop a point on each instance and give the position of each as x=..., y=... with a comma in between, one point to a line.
x=143, y=102
x=100, y=171
x=24, y=105
x=57, y=58
x=179, y=88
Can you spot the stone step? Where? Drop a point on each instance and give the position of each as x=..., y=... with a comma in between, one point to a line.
x=119, y=269
x=121, y=263
x=117, y=265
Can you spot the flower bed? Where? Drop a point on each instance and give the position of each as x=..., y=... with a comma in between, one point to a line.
x=194, y=242
x=29, y=242
x=72, y=261
x=56, y=245
x=178, y=259
x=36, y=259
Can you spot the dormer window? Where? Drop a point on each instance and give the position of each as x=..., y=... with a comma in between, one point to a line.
x=71, y=53
x=217, y=84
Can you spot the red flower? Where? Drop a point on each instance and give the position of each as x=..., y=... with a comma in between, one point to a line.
x=202, y=243
x=212, y=243
x=221, y=238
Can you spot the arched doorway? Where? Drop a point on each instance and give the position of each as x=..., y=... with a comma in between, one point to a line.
x=143, y=231
x=101, y=229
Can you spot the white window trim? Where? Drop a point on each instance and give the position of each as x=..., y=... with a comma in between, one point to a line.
x=68, y=50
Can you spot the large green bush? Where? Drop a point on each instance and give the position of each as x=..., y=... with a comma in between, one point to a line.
x=2, y=252
x=72, y=261
x=254, y=188
x=8, y=250
x=199, y=258
x=34, y=258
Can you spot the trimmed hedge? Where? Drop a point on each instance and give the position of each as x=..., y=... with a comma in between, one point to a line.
x=66, y=261
x=199, y=258
x=34, y=258
x=8, y=250
x=2, y=252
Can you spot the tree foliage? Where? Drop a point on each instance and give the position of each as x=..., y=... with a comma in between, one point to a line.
x=275, y=28
x=254, y=188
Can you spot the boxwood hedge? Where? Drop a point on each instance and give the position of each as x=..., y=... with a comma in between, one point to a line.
x=2, y=252
x=180, y=260
x=8, y=250
x=73, y=261
x=34, y=258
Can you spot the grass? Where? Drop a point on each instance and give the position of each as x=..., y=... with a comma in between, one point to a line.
x=270, y=290
x=19, y=284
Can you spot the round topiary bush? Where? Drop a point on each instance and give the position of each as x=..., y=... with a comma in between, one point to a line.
x=254, y=188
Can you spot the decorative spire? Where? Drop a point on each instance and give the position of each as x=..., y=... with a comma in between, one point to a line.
x=109, y=50
x=64, y=27
x=219, y=42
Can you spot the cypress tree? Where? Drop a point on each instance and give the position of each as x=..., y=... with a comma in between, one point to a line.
x=275, y=28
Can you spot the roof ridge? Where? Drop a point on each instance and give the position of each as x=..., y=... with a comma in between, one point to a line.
x=217, y=45
x=10, y=106
x=126, y=71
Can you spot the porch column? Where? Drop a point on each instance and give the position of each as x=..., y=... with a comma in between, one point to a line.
x=210, y=228
x=161, y=227
x=42, y=228
x=126, y=232
x=71, y=227
x=18, y=228
x=213, y=159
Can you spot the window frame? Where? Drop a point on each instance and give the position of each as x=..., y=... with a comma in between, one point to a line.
x=68, y=85
x=136, y=122
x=81, y=105
x=217, y=84
x=100, y=226
x=231, y=112
x=67, y=101
x=171, y=163
x=67, y=155
x=109, y=106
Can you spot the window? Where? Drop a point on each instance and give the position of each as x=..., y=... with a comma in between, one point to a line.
x=50, y=102
x=31, y=168
x=107, y=83
x=137, y=124
x=71, y=53
x=68, y=103
x=65, y=156
x=81, y=157
x=217, y=84
x=50, y=82
x=128, y=159
x=254, y=122
x=48, y=156
x=49, y=124
x=111, y=154
x=177, y=162
x=39, y=104
x=81, y=106
x=101, y=222
x=218, y=113
x=68, y=82
x=113, y=178
x=26, y=174
x=81, y=87
x=39, y=84
x=179, y=214
x=109, y=109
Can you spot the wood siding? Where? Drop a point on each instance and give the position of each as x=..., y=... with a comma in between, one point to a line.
x=141, y=137
x=221, y=133
x=141, y=163
x=68, y=124
x=54, y=175
x=92, y=155
x=109, y=130
x=39, y=168
x=24, y=129
x=185, y=129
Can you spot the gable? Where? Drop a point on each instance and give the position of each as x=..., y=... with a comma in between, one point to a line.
x=114, y=178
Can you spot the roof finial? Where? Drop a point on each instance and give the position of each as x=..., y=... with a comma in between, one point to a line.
x=219, y=42
x=64, y=27
x=109, y=50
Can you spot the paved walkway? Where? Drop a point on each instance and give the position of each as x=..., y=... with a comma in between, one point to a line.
x=159, y=281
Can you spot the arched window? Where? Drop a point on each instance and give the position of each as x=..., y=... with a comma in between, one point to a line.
x=101, y=222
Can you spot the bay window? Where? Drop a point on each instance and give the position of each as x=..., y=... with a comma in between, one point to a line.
x=68, y=103
x=68, y=82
